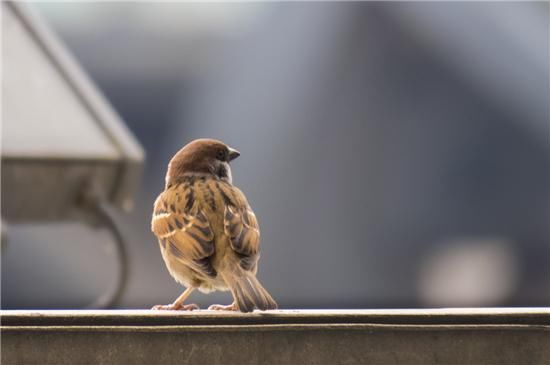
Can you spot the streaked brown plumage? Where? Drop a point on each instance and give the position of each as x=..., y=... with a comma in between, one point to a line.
x=209, y=236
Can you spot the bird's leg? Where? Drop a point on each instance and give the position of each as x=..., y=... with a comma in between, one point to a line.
x=178, y=303
x=219, y=307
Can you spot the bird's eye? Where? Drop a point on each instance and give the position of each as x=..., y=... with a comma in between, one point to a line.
x=221, y=155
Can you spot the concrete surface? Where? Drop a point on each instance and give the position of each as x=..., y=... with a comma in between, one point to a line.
x=437, y=336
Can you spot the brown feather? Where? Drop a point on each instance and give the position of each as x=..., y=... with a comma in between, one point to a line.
x=185, y=226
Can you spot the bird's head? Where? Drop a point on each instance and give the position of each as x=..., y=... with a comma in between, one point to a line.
x=202, y=156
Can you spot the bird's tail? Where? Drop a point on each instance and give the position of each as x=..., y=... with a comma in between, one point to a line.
x=248, y=292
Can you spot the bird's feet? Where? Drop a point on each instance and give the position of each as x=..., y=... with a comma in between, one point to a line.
x=175, y=307
x=219, y=307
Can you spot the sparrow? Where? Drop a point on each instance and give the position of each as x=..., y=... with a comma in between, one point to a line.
x=209, y=236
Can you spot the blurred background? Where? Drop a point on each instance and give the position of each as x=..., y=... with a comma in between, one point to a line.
x=396, y=154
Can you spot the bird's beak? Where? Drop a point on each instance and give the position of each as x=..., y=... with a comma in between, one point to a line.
x=233, y=154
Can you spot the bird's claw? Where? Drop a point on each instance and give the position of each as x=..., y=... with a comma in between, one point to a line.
x=177, y=307
x=219, y=307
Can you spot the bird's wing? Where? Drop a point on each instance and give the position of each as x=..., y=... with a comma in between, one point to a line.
x=241, y=226
x=182, y=228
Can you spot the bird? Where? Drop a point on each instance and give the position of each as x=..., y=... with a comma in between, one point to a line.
x=208, y=234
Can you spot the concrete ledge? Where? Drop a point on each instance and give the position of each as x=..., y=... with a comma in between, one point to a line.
x=438, y=336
